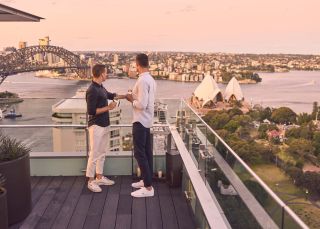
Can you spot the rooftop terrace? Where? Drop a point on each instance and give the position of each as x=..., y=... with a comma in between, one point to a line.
x=60, y=198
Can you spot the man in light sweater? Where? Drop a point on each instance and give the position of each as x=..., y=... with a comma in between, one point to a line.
x=142, y=99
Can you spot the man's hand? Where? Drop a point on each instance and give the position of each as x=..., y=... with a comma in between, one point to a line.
x=129, y=97
x=112, y=105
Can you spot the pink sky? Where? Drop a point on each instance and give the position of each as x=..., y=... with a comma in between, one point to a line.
x=241, y=26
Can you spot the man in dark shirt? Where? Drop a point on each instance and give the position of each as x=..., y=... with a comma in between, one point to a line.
x=98, y=112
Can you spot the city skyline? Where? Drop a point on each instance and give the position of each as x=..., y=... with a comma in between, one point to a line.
x=244, y=26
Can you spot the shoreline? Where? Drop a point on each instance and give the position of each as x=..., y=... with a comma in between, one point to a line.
x=126, y=77
x=10, y=100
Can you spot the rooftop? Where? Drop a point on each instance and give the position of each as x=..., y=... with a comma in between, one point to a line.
x=65, y=202
x=60, y=198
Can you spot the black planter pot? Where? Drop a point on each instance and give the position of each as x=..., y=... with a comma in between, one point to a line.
x=18, y=186
x=3, y=209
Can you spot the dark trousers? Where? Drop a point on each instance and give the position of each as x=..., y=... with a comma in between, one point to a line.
x=143, y=151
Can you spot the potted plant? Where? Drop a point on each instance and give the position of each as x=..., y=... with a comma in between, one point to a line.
x=15, y=166
x=3, y=204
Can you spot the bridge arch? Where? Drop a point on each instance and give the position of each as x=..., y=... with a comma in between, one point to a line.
x=20, y=61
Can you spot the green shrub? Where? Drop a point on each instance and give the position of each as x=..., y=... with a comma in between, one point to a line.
x=299, y=164
x=11, y=149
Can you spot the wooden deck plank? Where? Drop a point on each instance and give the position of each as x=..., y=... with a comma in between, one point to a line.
x=65, y=202
x=40, y=207
x=109, y=214
x=168, y=214
x=139, y=214
x=96, y=208
x=79, y=215
x=54, y=207
x=185, y=219
x=34, y=181
x=39, y=189
x=125, y=204
x=153, y=212
x=65, y=214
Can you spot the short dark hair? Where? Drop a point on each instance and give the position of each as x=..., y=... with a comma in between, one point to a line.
x=142, y=60
x=98, y=69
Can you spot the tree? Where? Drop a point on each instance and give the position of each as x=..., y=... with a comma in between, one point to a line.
x=236, y=104
x=232, y=126
x=9, y=49
x=242, y=148
x=243, y=133
x=311, y=181
x=264, y=127
x=295, y=173
x=255, y=115
x=316, y=143
x=315, y=109
x=304, y=118
x=284, y=115
x=265, y=114
x=305, y=132
x=226, y=76
x=256, y=77
x=243, y=120
x=219, y=121
x=293, y=133
x=235, y=111
x=299, y=163
x=300, y=147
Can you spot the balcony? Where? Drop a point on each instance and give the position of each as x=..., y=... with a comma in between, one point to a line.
x=218, y=189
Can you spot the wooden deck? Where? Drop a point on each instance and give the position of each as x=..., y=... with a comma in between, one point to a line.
x=65, y=202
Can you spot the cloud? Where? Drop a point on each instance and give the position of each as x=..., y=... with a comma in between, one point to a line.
x=188, y=9
x=83, y=38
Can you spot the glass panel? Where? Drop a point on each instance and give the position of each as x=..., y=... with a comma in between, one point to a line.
x=220, y=166
x=263, y=197
x=235, y=209
x=201, y=221
x=68, y=139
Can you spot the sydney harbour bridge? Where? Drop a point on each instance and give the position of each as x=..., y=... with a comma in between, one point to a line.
x=23, y=60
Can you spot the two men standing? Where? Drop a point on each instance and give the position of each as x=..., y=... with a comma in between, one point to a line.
x=142, y=99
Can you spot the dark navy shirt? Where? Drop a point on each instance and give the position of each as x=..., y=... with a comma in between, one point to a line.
x=97, y=97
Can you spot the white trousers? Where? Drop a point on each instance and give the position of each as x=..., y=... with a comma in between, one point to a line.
x=98, y=141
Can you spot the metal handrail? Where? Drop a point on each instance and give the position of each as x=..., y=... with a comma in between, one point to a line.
x=162, y=98
x=71, y=125
x=261, y=182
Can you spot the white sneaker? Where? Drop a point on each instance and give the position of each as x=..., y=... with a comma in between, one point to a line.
x=94, y=187
x=143, y=192
x=138, y=184
x=104, y=181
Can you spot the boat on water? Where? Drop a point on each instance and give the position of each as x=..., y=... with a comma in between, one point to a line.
x=12, y=114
